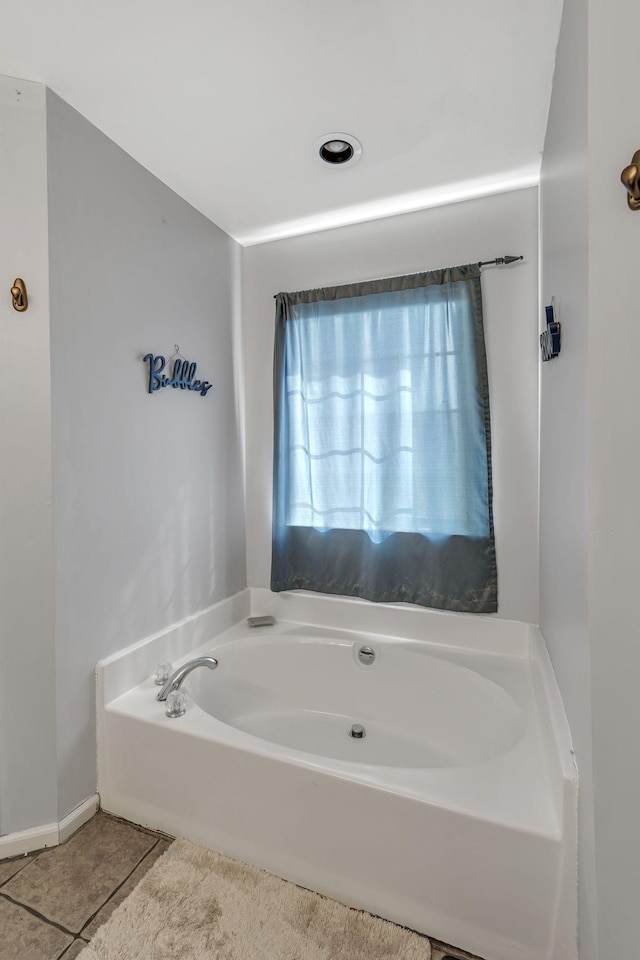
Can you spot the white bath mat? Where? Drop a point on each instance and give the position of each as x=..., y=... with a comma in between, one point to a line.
x=195, y=904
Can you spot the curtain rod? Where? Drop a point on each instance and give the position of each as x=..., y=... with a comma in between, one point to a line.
x=499, y=261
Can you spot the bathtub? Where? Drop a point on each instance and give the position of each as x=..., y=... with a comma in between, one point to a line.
x=453, y=811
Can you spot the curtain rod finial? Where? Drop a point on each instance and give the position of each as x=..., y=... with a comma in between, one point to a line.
x=500, y=261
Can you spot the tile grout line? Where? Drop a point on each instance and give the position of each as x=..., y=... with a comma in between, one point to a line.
x=4, y=882
x=154, y=835
x=67, y=949
x=59, y=926
x=120, y=885
x=39, y=916
x=150, y=831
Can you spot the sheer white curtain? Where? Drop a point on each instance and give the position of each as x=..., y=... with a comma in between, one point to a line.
x=385, y=433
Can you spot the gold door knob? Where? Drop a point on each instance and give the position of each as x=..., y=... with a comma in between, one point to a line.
x=630, y=177
x=19, y=295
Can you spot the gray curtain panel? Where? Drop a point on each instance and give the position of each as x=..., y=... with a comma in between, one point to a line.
x=382, y=456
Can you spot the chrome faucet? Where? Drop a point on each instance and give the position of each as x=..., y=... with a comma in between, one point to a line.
x=175, y=680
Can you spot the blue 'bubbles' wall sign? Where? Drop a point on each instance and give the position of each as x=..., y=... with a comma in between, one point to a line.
x=183, y=376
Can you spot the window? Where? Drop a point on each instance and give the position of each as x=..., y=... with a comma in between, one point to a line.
x=382, y=480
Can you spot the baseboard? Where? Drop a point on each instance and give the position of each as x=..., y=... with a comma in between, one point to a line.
x=48, y=835
x=78, y=816
x=24, y=841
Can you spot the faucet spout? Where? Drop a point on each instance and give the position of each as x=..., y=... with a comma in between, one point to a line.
x=175, y=680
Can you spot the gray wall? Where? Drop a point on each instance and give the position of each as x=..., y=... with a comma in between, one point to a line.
x=590, y=454
x=148, y=489
x=564, y=450
x=27, y=690
x=614, y=434
x=457, y=233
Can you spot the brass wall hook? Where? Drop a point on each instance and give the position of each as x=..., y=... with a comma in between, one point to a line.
x=19, y=295
x=630, y=177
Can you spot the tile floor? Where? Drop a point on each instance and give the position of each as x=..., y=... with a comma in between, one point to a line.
x=52, y=902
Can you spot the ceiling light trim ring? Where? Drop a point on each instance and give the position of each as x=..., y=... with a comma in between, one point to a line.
x=337, y=150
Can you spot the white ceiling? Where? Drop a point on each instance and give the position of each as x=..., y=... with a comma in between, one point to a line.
x=223, y=100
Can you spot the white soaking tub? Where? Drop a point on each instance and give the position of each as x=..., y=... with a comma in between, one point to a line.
x=454, y=813
x=305, y=689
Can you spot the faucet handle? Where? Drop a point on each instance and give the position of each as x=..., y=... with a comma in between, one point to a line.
x=176, y=703
x=162, y=673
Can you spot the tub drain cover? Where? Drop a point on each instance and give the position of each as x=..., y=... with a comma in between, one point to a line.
x=357, y=731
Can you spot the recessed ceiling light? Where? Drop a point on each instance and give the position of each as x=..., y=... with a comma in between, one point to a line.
x=338, y=149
